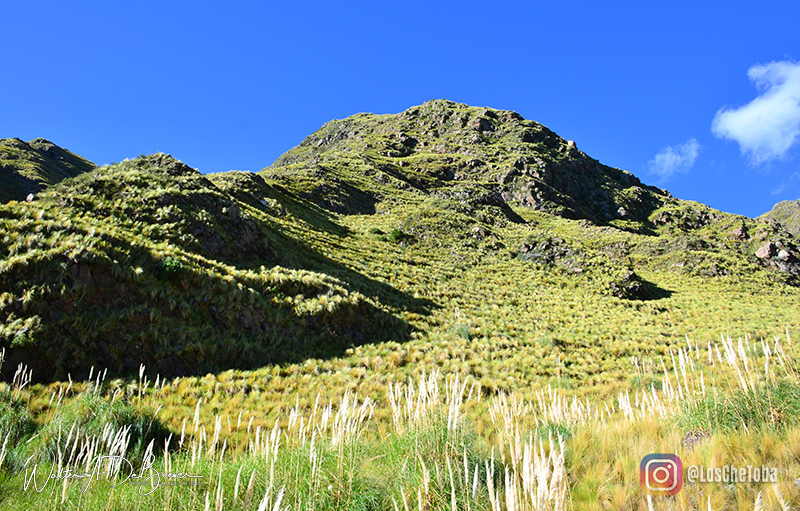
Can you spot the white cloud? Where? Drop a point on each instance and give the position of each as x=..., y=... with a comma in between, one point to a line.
x=767, y=127
x=779, y=189
x=674, y=159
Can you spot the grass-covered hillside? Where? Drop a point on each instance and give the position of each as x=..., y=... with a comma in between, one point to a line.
x=453, y=151
x=446, y=239
x=788, y=214
x=28, y=167
x=407, y=228
x=150, y=261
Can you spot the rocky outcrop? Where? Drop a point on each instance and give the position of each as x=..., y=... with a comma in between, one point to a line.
x=766, y=251
x=781, y=255
x=433, y=146
x=608, y=270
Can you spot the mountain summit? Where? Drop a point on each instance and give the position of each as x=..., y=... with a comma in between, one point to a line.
x=437, y=225
x=349, y=165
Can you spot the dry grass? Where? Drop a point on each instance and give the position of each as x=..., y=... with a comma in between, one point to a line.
x=553, y=452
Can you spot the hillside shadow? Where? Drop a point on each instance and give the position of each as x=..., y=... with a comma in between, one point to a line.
x=641, y=228
x=299, y=255
x=15, y=186
x=191, y=320
x=293, y=253
x=328, y=193
x=651, y=291
x=306, y=210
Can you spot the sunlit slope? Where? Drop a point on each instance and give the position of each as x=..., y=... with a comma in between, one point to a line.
x=149, y=261
x=465, y=238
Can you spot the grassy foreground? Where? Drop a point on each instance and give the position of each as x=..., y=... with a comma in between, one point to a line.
x=422, y=445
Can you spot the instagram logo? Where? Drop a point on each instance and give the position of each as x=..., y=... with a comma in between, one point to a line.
x=661, y=474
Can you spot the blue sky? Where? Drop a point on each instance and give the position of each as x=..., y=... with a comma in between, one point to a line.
x=701, y=98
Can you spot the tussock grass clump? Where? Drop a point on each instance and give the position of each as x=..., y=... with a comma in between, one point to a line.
x=87, y=426
x=770, y=405
x=767, y=398
x=92, y=414
x=16, y=422
x=396, y=236
x=77, y=429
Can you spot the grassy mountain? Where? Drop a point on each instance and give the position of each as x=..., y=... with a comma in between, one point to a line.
x=28, y=167
x=453, y=151
x=788, y=214
x=373, y=229
x=150, y=261
x=580, y=317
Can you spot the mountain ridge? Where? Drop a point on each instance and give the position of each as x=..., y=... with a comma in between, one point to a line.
x=441, y=142
x=28, y=167
x=369, y=232
x=788, y=214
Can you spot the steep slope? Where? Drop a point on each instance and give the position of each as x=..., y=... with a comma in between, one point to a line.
x=711, y=243
x=788, y=214
x=27, y=168
x=444, y=148
x=452, y=174
x=149, y=261
x=395, y=236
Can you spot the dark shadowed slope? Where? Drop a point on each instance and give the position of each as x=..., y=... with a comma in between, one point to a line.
x=28, y=167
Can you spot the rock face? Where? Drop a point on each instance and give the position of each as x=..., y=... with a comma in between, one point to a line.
x=781, y=255
x=28, y=167
x=349, y=165
x=617, y=277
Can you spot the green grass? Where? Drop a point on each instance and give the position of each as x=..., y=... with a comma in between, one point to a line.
x=74, y=423
x=444, y=445
x=771, y=405
x=16, y=422
x=383, y=249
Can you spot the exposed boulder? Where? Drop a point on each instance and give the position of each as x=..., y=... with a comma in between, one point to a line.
x=766, y=251
x=781, y=255
x=740, y=233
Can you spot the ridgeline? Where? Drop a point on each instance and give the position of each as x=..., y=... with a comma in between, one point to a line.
x=445, y=228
